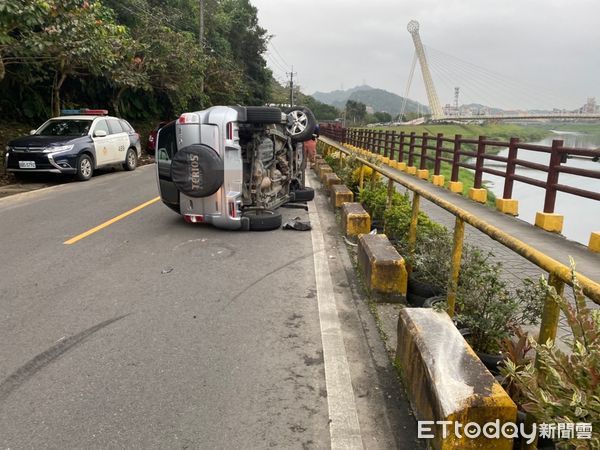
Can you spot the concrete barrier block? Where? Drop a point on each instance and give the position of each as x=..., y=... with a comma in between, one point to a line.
x=456, y=187
x=323, y=169
x=411, y=170
x=402, y=166
x=478, y=195
x=355, y=220
x=594, y=244
x=438, y=180
x=331, y=179
x=382, y=266
x=446, y=380
x=340, y=194
x=549, y=221
x=423, y=174
x=508, y=206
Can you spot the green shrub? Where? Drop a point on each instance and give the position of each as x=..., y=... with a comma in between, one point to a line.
x=564, y=388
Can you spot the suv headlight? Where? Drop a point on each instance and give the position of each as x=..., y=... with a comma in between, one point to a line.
x=58, y=148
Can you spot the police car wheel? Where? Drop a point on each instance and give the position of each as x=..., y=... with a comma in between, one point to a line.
x=85, y=168
x=130, y=160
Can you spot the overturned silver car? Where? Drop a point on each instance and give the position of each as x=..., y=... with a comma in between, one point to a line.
x=233, y=166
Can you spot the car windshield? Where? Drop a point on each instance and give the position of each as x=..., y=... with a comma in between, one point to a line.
x=66, y=127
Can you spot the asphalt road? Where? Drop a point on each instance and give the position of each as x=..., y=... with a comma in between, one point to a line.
x=154, y=333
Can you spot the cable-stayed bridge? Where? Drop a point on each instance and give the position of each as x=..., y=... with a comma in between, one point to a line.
x=478, y=86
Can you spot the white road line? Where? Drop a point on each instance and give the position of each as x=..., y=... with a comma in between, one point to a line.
x=344, y=427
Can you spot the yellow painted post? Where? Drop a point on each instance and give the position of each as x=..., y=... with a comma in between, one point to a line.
x=373, y=178
x=361, y=179
x=412, y=230
x=390, y=192
x=341, y=160
x=551, y=312
x=459, y=236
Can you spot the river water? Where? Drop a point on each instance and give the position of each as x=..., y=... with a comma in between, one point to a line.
x=581, y=215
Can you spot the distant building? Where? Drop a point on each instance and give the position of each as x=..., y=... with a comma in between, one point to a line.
x=590, y=107
x=370, y=110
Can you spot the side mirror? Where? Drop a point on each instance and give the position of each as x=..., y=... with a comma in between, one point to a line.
x=99, y=133
x=32, y=132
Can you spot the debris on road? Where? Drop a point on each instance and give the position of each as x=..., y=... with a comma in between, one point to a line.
x=297, y=224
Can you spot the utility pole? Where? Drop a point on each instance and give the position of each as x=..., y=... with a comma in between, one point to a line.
x=201, y=40
x=291, y=74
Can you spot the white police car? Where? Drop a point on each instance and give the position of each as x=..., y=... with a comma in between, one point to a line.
x=78, y=142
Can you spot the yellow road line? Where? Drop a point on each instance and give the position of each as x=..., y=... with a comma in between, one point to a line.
x=110, y=222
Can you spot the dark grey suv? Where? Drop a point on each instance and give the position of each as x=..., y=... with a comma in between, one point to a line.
x=233, y=166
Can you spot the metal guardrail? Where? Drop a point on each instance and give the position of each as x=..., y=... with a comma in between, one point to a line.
x=559, y=274
x=410, y=147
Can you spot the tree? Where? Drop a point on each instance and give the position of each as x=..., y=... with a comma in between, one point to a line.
x=81, y=40
x=355, y=111
x=383, y=117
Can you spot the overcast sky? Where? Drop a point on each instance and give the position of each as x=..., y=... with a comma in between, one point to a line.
x=521, y=54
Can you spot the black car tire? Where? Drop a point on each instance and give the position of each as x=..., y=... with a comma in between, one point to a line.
x=263, y=114
x=303, y=195
x=263, y=220
x=197, y=171
x=130, y=160
x=85, y=168
x=301, y=123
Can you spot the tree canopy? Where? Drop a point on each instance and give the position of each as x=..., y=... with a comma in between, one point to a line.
x=138, y=58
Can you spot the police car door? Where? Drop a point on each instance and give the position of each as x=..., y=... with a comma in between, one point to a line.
x=120, y=140
x=102, y=142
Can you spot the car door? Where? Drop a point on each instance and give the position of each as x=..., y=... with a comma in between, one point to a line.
x=103, y=143
x=119, y=140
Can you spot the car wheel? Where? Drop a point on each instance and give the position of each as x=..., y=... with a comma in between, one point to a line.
x=85, y=168
x=301, y=123
x=263, y=114
x=130, y=160
x=304, y=195
x=263, y=220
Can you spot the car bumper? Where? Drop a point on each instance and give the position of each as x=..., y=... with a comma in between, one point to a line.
x=44, y=162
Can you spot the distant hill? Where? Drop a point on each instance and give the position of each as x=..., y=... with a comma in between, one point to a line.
x=379, y=99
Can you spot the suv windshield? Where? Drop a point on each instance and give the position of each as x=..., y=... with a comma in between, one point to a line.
x=65, y=127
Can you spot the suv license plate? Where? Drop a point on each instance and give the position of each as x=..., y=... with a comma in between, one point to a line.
x=26, y=164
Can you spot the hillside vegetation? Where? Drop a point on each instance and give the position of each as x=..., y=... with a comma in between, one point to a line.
x=138, y=58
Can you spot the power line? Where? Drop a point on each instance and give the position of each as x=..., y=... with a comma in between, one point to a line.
x=279, y=54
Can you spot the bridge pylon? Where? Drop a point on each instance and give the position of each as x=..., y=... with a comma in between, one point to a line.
x=432, y=97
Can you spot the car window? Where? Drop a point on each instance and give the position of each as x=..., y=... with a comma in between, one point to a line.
x=101, y=125
x=115, y=126
x=126, y=126
x=65, y=127
x=166, y=144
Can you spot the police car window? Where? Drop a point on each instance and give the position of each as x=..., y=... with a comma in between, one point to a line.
x=63, y=127
x=115, y=126
x=166, y=144
x=126, y=126
x=101, y=125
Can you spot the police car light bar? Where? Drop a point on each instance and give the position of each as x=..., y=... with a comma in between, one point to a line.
x=86, y=112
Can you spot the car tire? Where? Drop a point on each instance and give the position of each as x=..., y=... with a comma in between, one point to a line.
x=301, y=123
x=130, y=160
x=303, y=195
x=263, y=114
x=85, y=168
x=197, y=171
x=263, y=220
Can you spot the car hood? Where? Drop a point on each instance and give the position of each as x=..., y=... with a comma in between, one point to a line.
x=42, y=141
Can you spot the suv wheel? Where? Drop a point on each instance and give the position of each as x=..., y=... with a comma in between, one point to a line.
x=85, y=168
x=130, y=160
x=197, y=171
x=301, y=123
x=263, y=114
x=263, y=220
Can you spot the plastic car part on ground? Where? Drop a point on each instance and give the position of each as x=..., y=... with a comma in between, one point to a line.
x=297, y=224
